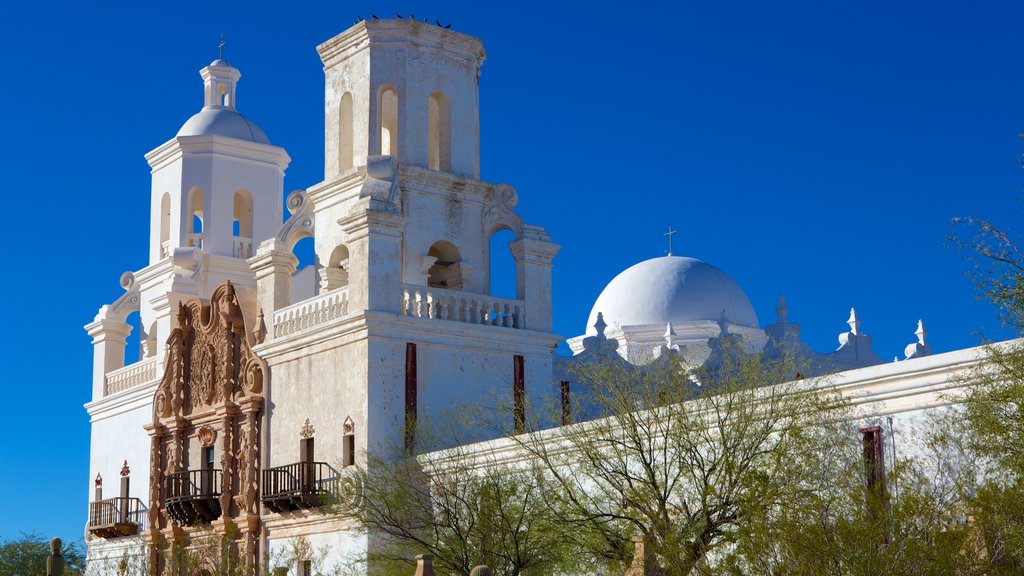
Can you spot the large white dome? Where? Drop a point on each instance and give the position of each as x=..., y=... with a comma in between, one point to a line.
x=672, y=289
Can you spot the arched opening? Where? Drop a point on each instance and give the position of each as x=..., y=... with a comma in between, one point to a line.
x=165, y=225
x=446, y=269
x=150, y=341
x=223, y=96
x=345, y=134
x=136, y=340
x=304, y=280
x=241, y=225
x=335, y=274
x=196, y=204
x=439, y=132
x=388, y=114
x=502, y=265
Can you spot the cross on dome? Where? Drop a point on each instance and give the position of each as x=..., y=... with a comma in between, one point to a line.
x=670, y=233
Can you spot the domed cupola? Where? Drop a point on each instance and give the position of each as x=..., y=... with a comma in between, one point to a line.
x=672, y=289
x=690, y=300
x=219, y=116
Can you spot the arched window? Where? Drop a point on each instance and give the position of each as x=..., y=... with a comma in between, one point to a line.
x=446, y=271
x=345, y=134
x=439, y=133
x=149, y=349
x=241, y=224
x=335, y=275
x=165, y=225
x=196, y=203
x=388, y=114
x=502, y=265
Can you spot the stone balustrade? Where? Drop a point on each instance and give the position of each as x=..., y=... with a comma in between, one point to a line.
x=441, y=304
x=311, y=313
x=241, y=247
x=130, y=376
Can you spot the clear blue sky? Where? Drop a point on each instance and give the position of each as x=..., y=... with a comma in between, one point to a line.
x=815, y=149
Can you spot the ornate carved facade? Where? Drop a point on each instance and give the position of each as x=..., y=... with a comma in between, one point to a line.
x=205, y=433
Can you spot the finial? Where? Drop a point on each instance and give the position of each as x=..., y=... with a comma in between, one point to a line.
x=854, y=322
x=781, y=310
x=98, y=482
x=670, y=233
x=600, y=324
x=669, y=334
x=125, y=470
x=723, y=323
x=220, y=47
x=920, y=332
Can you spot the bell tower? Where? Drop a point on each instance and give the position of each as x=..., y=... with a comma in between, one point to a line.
x=404, y=89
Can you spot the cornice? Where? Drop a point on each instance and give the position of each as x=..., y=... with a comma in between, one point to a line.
x=181, y=147
x=412, y=33
x=121, y=402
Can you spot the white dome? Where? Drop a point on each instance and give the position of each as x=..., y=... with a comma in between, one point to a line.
x=672, y=289
x=223, y=122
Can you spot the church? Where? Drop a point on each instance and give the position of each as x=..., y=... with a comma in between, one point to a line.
x=260, y=385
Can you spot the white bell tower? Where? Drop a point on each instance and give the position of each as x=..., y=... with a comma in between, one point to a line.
x=217, y=185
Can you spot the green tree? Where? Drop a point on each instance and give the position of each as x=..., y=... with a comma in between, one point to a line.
x=26, y=556
x=684, y=456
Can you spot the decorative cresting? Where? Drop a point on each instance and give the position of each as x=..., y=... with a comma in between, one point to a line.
x=208, y=403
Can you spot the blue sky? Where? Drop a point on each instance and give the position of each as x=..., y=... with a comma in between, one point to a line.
x=813, y=149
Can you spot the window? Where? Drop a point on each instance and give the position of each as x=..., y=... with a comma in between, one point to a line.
x=438, y=132
x=165, y=224
x=388, y=114
x=345, y=133
x=519, y=394
x=410, y=396
x=446, y=271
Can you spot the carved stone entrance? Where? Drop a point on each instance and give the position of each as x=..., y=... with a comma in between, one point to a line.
x=205, y=437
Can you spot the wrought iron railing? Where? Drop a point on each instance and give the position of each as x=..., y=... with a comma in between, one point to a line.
x=115, y=517
x=297, y=485
x=193, y=495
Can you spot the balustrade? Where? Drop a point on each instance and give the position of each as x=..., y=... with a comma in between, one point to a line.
x=441, y=304
x=241, y=247
x=130, y=376
x=311, y=313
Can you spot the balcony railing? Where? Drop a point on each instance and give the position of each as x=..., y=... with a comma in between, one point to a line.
x=130, y=376
x=241, y=247
x=116, y=517
x=311, y=313
x=297, y=486
x=194, y=240
x=193, y=496
x=441, y=304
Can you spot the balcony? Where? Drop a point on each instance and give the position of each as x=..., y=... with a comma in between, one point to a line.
x=456, y=306
x=297, y=486
x=193, y=496
x=115, y=517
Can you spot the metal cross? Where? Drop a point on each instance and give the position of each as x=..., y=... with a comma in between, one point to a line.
x=220, y=48
x=670, y=233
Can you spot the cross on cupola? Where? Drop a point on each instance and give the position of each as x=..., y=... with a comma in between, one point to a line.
x=670, y=233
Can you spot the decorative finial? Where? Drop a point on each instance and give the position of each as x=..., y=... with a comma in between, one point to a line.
x=307, y=430
x=670, y=233
x=920, y=332
x=600, y=324
x=781, y=310
x=220, y=47
x=854, y=322
x=125, y=470
x=669, y=334
x=98, y=482
x=723, y=323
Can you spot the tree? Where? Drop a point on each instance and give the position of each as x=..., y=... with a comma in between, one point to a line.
x=465, y=511
x=684, y=456
x=994, y=403
x=26, y=556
